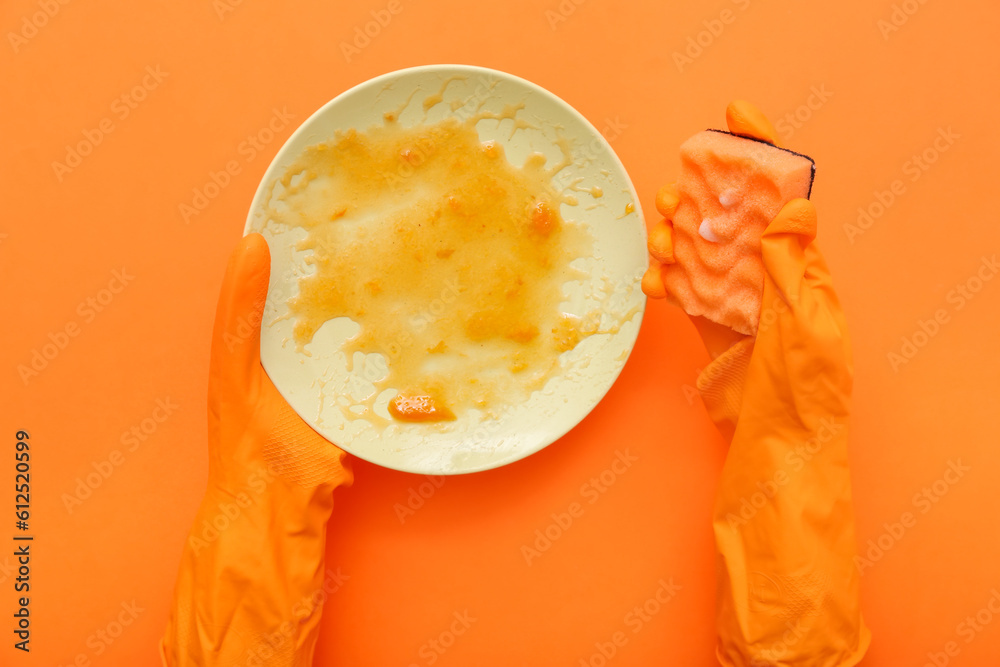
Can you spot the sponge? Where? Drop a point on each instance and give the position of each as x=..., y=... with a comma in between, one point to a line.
x=730, y=188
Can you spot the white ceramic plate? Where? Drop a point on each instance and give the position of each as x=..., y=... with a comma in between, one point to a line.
x=473, y=442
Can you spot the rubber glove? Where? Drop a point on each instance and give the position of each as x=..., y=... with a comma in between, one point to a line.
x=250, y=586
x=788, y=590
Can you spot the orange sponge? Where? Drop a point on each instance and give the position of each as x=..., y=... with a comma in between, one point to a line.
x=730, y=188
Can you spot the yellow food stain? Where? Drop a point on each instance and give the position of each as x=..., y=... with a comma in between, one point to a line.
x=450, y=259
x=629, y=209
x=595, y=191
x=438, y=97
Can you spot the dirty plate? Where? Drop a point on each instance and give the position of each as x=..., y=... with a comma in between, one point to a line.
x=316, y=380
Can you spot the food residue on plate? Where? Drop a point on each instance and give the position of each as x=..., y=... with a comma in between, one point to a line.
x=451, y=259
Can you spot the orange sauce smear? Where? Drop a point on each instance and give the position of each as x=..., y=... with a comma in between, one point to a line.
x=450, y=258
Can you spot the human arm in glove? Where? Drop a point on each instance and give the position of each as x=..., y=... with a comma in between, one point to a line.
x=788, y=589
x=250, y=589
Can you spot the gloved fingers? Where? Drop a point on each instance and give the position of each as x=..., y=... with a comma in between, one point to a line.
x=661, y=236
x=783, y=247
x=661, y=242
x=236, y=336
x=667, y=199
x=745, y=119
x=661, y=248
x=652, y=281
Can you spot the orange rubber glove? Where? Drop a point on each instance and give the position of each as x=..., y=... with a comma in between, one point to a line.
x=250, y=587
x=788, y=590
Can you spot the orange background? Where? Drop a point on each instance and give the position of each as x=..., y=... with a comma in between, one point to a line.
x=885, y=97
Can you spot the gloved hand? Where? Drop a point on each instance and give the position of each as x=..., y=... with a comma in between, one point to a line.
x=788, y=589
x=250, y=587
